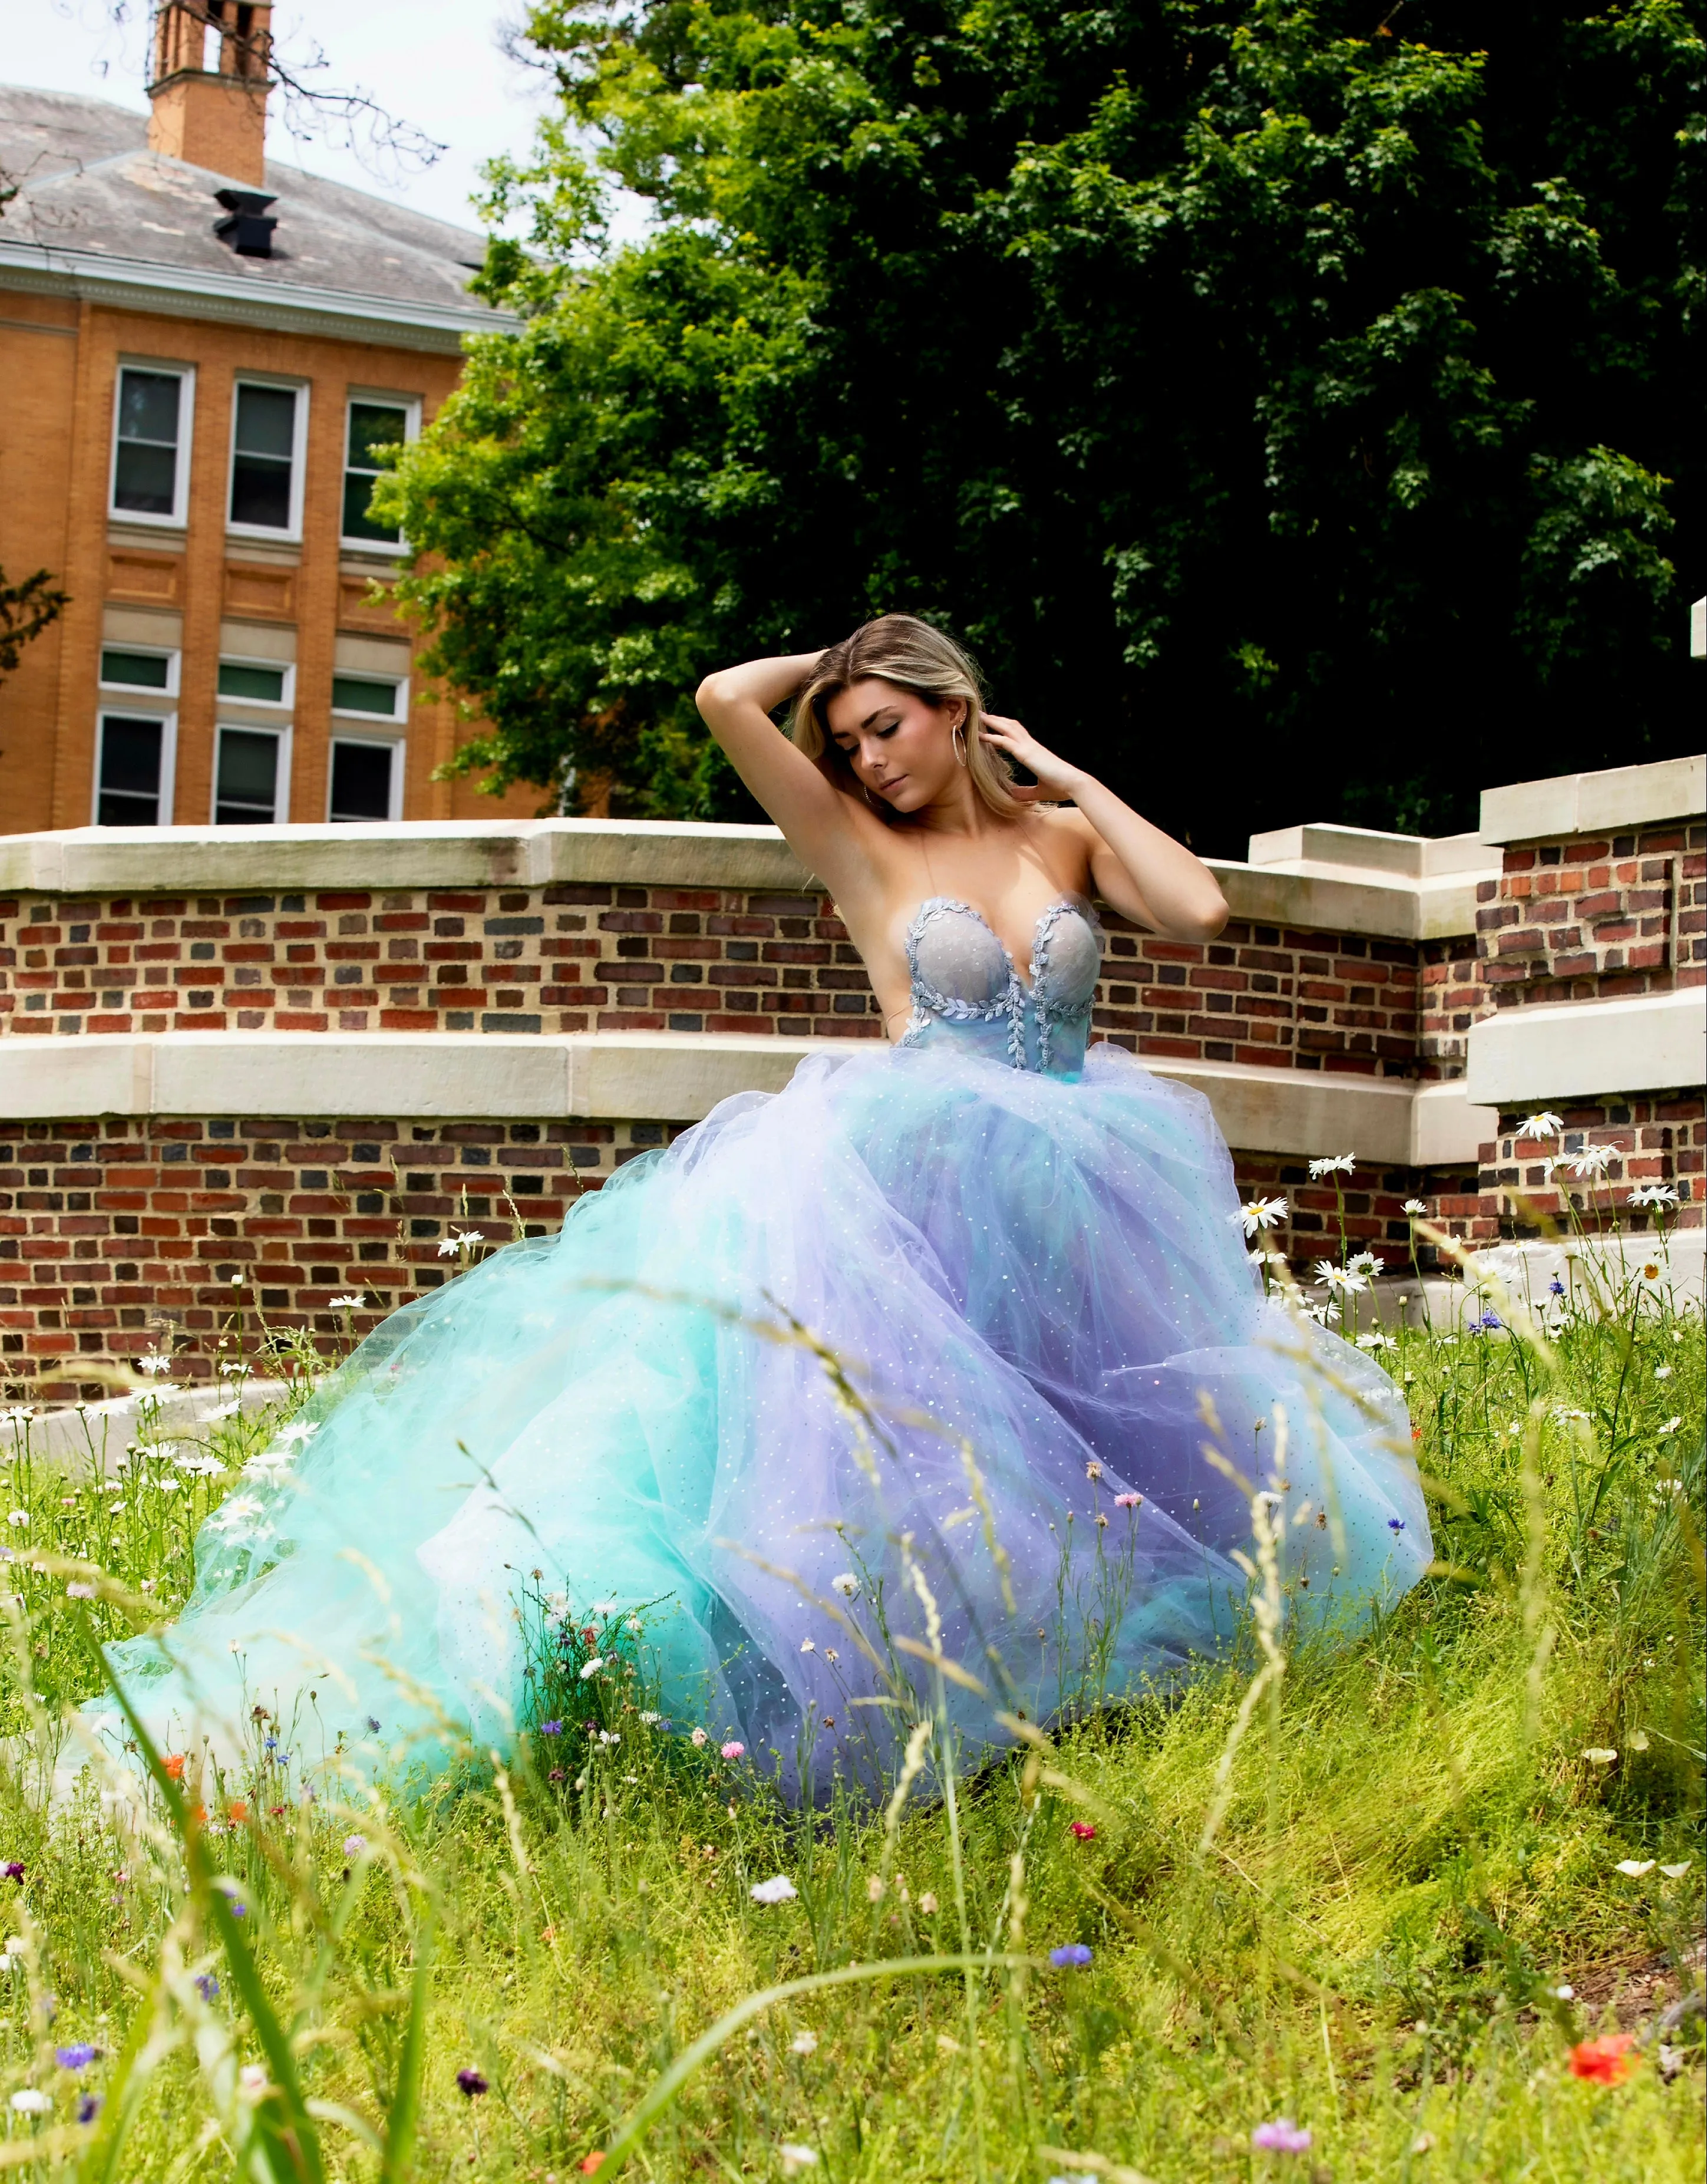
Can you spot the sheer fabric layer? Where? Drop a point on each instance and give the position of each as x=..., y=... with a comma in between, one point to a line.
x=1040, y=1265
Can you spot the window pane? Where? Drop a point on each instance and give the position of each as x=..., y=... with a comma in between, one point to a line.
x=361, y=780
x=358, y=487
x=352, y=694
x=266, y=420
x=261, y=493
x=144, y=478
x=247, y=785
x=148, y=406
x=261, y=466
x=130, y=785
x=264, y=686
x=147, y=671
x=373, y=425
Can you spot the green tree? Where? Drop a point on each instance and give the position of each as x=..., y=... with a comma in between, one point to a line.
x=26, y=609
x=1297, y=406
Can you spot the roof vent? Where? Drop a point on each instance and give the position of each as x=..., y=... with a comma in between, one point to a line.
x=247, y=226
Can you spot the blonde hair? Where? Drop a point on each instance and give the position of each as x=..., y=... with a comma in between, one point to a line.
x=901, y=649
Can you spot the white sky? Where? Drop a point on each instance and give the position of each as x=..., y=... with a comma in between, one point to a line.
x=435, y=63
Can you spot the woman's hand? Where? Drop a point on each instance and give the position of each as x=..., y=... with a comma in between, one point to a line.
x=1055, y=777
x=1143, y=873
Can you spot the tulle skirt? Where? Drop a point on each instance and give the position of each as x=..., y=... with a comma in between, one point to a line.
x=932, y=1345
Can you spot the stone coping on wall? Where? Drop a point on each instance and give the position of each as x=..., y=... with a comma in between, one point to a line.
x=95, y=1437
x=1343, y=885
x=1621, y=797
x=1552, y=1052
x=664, y=1076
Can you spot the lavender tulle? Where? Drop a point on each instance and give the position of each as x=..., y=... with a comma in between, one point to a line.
x=1030, y=1274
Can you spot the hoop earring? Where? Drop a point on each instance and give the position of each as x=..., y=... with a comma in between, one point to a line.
x=866, y=793
x=959, y=740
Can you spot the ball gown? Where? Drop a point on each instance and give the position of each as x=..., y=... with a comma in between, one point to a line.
x=956, y=1317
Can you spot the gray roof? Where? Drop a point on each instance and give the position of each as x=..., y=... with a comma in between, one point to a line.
x=88, y=184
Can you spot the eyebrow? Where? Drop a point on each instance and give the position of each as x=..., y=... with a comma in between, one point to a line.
x=866, y=723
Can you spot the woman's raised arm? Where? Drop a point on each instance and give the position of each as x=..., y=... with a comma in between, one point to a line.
x=1143, y=873
x=735, y=704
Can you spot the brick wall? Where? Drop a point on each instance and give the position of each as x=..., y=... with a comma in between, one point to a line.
x=111, y=1229
x=1452, y=997
x=1587, y=917
x=580, y=958
x=1651, y=1137
x=113, y=1232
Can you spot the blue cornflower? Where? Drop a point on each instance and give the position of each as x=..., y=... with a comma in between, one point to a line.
x=207, y=1986
x=1071, y=1956
x=1395, y=1523
x=78, y=2056
x=1491, y=1319
x=88, y=2108
x=1556, y=1286
x=373, y=1725
x=272, y=1744
x=551, y=1729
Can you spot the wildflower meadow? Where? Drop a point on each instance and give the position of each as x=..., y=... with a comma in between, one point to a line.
x=1424, y=1903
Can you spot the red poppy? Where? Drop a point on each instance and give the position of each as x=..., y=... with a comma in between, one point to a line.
x=1607, y=2061
x=237, y=1811
x=1084, y=1831
x=590, y=2162
x=174, y=1765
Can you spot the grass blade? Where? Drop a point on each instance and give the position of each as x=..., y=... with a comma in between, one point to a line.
x=405, y=2107
x=281, y=2117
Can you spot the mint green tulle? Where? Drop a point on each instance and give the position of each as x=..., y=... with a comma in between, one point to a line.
x=1032, y=1276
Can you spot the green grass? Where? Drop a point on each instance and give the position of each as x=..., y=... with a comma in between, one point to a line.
x=1415, y=1859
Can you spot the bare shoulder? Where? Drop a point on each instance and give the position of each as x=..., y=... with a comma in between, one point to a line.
x=856, y=855
x=1067, y=839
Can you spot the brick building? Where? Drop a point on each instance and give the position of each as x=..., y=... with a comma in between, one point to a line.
x=202, y=350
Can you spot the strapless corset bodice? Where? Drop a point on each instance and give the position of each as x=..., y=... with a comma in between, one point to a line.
x=966, y=990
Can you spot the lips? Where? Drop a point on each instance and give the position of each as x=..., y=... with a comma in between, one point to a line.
x=888, y=788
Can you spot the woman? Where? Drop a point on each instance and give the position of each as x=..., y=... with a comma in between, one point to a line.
x=1024, y=1258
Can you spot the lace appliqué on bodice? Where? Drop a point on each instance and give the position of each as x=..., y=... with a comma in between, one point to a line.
x=962, y=973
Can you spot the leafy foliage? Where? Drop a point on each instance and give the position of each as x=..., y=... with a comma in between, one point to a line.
x=1321, y=378
x=26, y=609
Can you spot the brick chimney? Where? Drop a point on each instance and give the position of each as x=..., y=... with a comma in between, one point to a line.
x=209, y=97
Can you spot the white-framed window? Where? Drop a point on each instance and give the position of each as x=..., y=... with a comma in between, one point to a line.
x=252, y=775
x=139, y=667
x=365, y=779
x=370, y=697
x=269, y=421
x=373, y=421
x=154, y=407
x=135, y=753
x=271, y=682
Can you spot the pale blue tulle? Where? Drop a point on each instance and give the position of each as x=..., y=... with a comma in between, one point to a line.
x=1040, y=1260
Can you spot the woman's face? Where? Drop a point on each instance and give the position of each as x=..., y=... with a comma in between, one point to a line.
x=901, y=746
